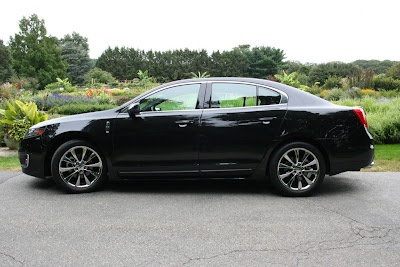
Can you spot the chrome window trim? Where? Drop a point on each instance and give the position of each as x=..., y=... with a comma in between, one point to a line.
x=257, y=107
x=209, y=82
x=255, y=84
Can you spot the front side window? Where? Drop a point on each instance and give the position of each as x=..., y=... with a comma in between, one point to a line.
x=233, y=95
x=176, y=98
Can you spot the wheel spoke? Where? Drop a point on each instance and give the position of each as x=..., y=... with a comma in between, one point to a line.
x=313, y=162
x=300, y=185
x=283, y=176
x=306, y=154
x=296, y=153
x=78, y=181
x=94, y=165
x=83, y=153
x=284, y=166
x=68, y=178
x=68, y=160
x=86, y=179
x=288, y=159
x=92, y=156
x=307, y=180
x=74, y=155
x=65, y=169
x=290, y=183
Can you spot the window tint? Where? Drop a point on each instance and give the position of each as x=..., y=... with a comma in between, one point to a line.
x=175, y=98
x=231, y=95
x=268, y=97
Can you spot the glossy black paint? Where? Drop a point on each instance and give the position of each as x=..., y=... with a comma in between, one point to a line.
x=207, y=142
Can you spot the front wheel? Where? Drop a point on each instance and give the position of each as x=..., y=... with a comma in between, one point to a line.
x=297, y=169
x=78, y=167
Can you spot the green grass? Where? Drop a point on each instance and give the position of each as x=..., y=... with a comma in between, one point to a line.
x=387, y=159
x=388, y=152
x=10, y=163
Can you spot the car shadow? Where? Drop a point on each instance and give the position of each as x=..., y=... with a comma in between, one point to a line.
x=332, y=185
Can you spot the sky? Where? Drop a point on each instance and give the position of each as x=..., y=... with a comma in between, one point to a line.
x=306, y=30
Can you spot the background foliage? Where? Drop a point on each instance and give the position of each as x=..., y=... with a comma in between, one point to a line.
x=35, y=54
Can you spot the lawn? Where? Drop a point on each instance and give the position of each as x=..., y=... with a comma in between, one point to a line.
x=387, y=159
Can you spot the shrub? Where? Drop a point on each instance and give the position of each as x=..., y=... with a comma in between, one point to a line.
x=383, y=118
x=333, y=95
x=100, y=76
x=5, y=90
x=369, y=92
x=72, y=109
x=385, y=83
x=353, y=93
x=49, y=101
x=20, y=116
x=25, y=82
x=332, y=82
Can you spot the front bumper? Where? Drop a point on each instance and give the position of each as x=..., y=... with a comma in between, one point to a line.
x=32, y=157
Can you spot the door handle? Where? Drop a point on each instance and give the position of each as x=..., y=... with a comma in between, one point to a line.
x=183, y=123
x=267, y=120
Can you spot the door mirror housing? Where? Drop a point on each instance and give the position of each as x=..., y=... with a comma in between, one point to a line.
x=133, y=109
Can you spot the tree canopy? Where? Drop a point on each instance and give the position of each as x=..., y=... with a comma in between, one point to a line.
x=258, y=62
x=5, y=63
x=35, y=54
x=75, y=50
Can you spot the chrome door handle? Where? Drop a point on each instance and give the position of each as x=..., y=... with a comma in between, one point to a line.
x=183, y=123
x=267, y=120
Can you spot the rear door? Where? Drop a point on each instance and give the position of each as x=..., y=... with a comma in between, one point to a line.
x=239, y=122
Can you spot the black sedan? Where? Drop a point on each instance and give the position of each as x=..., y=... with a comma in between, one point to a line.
x=203, y=129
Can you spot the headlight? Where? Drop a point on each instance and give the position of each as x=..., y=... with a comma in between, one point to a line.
x=34, y=131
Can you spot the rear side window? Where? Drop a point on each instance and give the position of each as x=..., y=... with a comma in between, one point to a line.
x=268, y=97
x=232, y=95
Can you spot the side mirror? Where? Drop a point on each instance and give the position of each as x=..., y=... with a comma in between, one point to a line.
x=133, y=109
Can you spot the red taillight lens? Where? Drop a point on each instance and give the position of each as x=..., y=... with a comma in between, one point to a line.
x=361, y=115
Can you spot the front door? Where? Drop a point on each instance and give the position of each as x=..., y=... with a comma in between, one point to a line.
x=162, y=139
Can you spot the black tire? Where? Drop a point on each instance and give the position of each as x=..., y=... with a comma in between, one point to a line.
x=78, y=167
x=297, y=169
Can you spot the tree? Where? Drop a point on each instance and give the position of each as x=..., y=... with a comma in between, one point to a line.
x=75, y=50
x=265, y=61
x=394, y=72
x=35, y=54
x=321, y=72
x=377, y=66
x=5, y=63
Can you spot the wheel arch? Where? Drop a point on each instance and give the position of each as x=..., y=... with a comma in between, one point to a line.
x=61, y=139
x=310, y=141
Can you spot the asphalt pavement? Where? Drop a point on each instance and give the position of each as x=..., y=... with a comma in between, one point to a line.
x=354, y=220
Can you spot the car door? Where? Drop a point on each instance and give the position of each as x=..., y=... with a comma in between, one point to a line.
x=162, y=139
x=239, y=122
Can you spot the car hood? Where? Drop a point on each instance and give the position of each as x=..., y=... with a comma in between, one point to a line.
x=106, y=114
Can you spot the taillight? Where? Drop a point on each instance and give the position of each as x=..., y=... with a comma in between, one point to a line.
x=361, y=115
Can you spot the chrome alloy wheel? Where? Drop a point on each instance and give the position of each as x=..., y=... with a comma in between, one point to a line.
x=80, y=167
x=298, y=169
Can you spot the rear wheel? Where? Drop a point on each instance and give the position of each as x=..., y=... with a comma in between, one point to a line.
x=297, y=169
x=78, y=167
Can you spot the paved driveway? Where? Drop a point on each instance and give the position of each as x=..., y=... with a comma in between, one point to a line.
x=353, y=221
